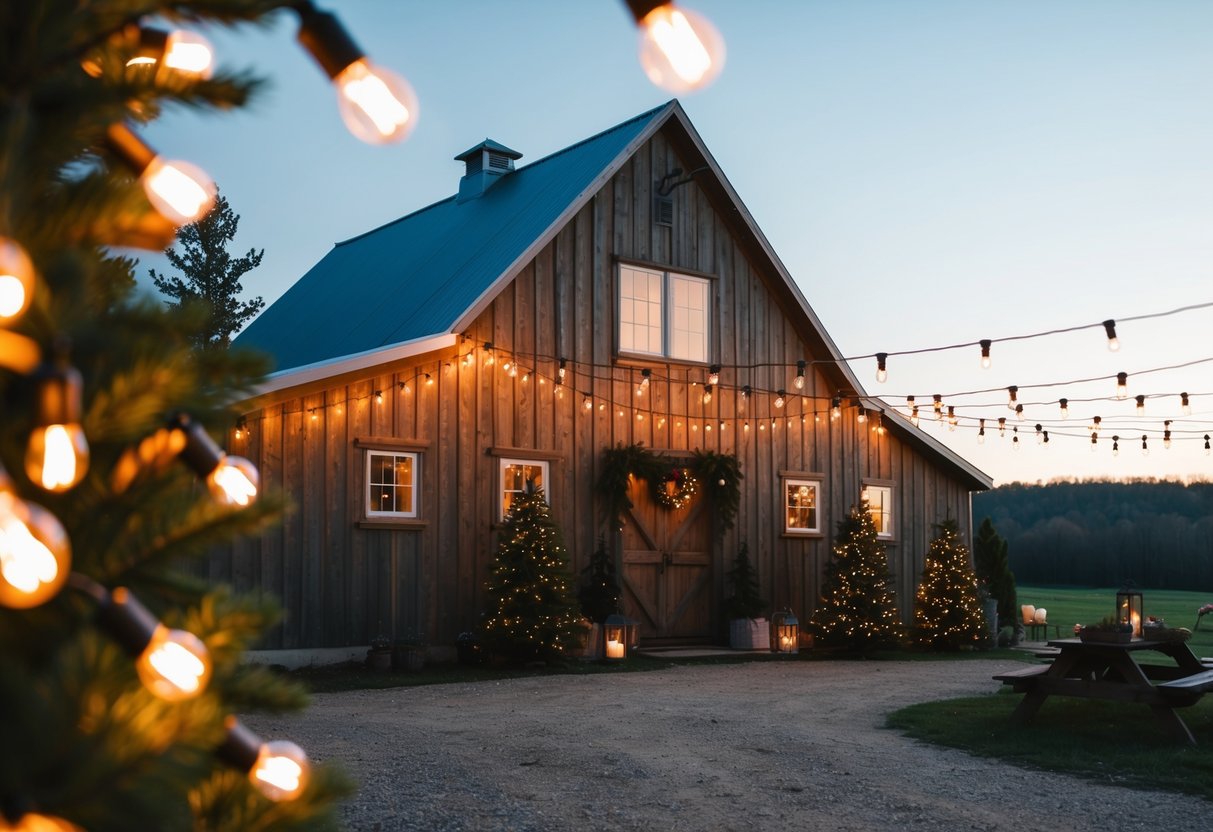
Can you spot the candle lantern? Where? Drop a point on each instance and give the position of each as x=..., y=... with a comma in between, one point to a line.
x=615, y=638
x=633, y=628
x=785, y=633
x=1129, y=609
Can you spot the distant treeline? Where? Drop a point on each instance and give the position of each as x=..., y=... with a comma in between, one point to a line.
x=1156, y=534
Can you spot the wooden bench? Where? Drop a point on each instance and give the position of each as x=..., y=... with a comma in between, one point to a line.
x=1196, y=683
x=1023, y=678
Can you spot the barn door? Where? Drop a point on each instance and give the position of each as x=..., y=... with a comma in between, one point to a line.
x=667, y=567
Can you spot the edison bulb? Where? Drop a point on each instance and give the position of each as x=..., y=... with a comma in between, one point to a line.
x=680, y=50
x=190, y=54
x=376, y=104
x=16, y=280
x=234, y=482
x=175, y=665
x=281, y=770
x=35, y=555
x=34, y=822
x=181, y=192
x=57, y=456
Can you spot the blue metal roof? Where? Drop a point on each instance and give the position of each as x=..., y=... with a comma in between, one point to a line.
x=415, y=277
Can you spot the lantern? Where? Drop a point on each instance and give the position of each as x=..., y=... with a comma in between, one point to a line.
x=785, y=633
x=1129, y=609
x=615, y=638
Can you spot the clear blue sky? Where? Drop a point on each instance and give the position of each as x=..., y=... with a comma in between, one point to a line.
x=929, y=172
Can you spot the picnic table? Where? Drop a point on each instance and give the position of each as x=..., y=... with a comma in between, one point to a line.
x=1103, y=670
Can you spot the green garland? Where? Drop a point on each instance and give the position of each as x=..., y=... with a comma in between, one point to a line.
x=719, y=475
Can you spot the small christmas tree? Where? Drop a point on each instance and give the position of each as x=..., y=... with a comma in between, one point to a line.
x=857, y=611
x=994, y=570
x=532, y=612
x=599, y=595
x=947, y=611
x=746, y=602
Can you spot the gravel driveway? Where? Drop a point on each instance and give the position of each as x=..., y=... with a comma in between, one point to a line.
x=770, y=745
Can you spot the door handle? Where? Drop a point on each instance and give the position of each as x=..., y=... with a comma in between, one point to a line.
x=666, y=560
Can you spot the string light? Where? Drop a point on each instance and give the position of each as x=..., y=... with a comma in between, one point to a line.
x=240, y=428
x=835, y=408
x=880, y=431
x=1096, y=424
x=1040, y=435
x=185, y=53
x=914, y=416
x=429, y=380
x=1002, y=426
x=1094, y=441
x=882, y=373
x=1065, y=408
x=57, y=454
x=707, y=393
x=1207, y=449
x=403, y=387
x=981, y=431
x=1115, y=445
x=1012, y=397
x=1166, y=435
x=1141, y=405
x=1110, y=328
x=231, y=480
x=587, y=402
x=1015, y=439
x=1145, y=449
x=172, y=664
x=278, y=769
x=1046, y=439
x=1122, y=385
x=714, y=375
x=798, y=382
x=16, y=280
x=526, y=376
x=488, y=354
x=863, y=415
x=35, y=554
x=378, y=397
x=780, y=398
x=644, y=381
x=938, y=404
x=680, y=50
x=180, y=192
x=1184, y=407
x=952, y=420
x=985, y=353
x=1019, y=412
x=560, y=371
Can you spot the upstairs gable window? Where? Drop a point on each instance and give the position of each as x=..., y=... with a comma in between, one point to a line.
x=664, y=314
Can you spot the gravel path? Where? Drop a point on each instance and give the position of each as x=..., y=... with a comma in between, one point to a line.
x=797, y=745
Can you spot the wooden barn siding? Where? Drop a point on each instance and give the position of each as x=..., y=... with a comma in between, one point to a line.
x=342, y=584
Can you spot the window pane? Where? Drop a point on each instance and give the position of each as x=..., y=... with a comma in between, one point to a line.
x=391, y=484
x=688, y=318
x=801, y=504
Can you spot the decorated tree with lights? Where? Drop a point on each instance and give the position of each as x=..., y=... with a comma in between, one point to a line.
x=532, y=610
x=121, y=674
x=947, y=607
x=857, y=610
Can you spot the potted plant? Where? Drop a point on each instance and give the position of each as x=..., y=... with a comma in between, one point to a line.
x=408, y=653
x=599, y=596
x=747, y=625
x=379, y=657
x=1107, y=631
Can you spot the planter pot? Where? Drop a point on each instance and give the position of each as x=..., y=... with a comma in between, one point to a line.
x=379, y=658
x=749, y=634
x=1105, y=638
x=408, y=657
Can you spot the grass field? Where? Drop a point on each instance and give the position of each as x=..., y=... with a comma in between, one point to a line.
x=1068, y=606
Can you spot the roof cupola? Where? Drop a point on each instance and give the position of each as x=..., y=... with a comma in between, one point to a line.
x=486, y=163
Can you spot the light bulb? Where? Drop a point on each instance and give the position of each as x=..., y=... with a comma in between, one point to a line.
x=16, y=280
x=780, y=398
x=1065, y=408
x=863, y=416
x=35, y=555
x=377, y=105
x=175, y=665
x=1141, y=405
x=680, y=50
x=1012, y=397
x=985, y=353
x=714, y=375
x=835, y=408
x=882, y=372
x=57, y=456
x=1184, y=406
x=707, y=393
x=1110, y=329
x=234, y=482
x=180, y=192
x=798, y=382
x=914, y=416
x=189, y=53
x=1122, y=385
x=281, y=770
x=34, y=822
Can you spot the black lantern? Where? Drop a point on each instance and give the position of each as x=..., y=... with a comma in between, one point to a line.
x=615, y=638
x=785, y=633
x=1129, y=610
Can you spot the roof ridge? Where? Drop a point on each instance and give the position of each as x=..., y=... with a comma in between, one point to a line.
x=645, y=115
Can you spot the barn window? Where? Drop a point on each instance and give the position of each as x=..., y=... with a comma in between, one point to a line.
x=880, y=506
x=391, y=484
x=802, y=506
x=664, y=313
x=515, y=474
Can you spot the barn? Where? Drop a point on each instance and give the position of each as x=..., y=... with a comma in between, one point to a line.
x=616, y=293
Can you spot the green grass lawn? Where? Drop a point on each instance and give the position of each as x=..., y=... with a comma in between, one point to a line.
x=1068, y=606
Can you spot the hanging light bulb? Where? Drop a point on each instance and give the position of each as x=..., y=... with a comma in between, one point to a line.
x=1145, y=449
x=1110, y=328
x=1166, y=435
x=1065, y=408
x=1096, y=424
x=780, y=398
x=1012, y=397
x=1015, y=439
x=680, y=50
x=1094, y=441
x=1184, y=407
x=798, y=382
x=1040, y=436
x=1122, y=385
x=882, y=372
x=587, y=402
x=1115, y=445
x=835, y=407
x=278, y=769
x=172, y=664
x=938, y=404
x=714, y=375
x=644, y=382
x=952, y=419
x=182, y=52
x=1141, y=405
x=558, y=389
x=879, y=423
x=376, y=104
x=914, y=416
x=985, y=353
x=1046, y=439
x=863, y=415
x=707, y=393
x=488, y=354
x=981, y=431
x=35, y=554
x=36, y=822
x=16, y=280
x=1207, y=449
x=57, y=455
x=232, y=480
x=1002, y=426
x=1019, y=412
x=561, y=370
x=180, y=192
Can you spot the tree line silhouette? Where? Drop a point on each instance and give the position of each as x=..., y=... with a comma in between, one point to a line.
x=1156, y=534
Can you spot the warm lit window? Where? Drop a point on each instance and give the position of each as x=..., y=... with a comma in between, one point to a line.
x=515, y=474
x=663, y=313
x=801, y=502
x=391, y=484
x=880, y=506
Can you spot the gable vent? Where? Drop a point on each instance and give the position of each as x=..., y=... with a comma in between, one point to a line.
x=663, y=210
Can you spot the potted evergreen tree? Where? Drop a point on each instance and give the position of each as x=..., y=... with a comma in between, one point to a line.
x=599, y=596
x=747, y=624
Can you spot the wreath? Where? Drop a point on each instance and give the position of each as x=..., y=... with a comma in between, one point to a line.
x=677, y=488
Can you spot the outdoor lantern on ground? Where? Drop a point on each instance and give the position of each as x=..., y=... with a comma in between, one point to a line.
x=785, y=633
x=615, y=638
x=1129, y=609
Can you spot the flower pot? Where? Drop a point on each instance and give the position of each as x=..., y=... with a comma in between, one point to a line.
x=379, y=658
x=749, y=634
x=408, y=657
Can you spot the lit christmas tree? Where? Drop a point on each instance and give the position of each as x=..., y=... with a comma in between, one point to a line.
x=857, y=611
x=120, y=672
x=947, y=610
x=533, y=614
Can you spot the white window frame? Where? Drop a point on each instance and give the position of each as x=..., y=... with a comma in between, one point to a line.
x=881, y=510
x=670, y=316
x=504, y=464
x=799, y=482
x=414, y=486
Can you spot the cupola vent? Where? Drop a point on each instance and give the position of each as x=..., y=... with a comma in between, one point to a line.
x=485, y=164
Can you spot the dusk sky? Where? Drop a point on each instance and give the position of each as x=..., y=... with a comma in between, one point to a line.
x=930, y=173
